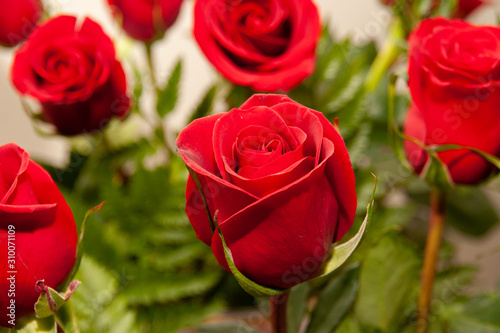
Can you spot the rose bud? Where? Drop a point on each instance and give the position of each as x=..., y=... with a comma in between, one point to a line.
x=37, y=233
x=70, y=67
x=17, y=20
x=279, y=178
x=145, y=20
x=268, y=46
x=454, y=79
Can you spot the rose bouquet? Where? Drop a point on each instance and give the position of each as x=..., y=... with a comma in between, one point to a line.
x=272, y=178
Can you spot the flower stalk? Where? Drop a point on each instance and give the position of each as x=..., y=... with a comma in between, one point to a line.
x=149, y=57
x=160, y=130
x=278, y=312
x=387, y=56
x=433, y=244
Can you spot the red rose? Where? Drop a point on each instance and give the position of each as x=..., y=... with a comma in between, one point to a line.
x=268, y=45
x=71, y=68
x=145, y=20
x=17, y=20
x=454, y=73
x=280, y=178
x=37, y=232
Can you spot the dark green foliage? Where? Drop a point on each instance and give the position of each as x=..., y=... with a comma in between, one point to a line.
x=167, y=97
x=142, y=242
x=335, y=300
x=206, y=104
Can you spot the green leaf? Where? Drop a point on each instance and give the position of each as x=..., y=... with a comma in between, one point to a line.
x=334, y=302
x=238, y=95
x=167, y=97
x=390, y=219
x=36, y=325
x=79, y=245
x=424, y=7
x=471, y=211
x=206, y=104
x=96, y=304
x=479, y=315
x=137, y=89
x=468, y=325
x=349, y=325
x=50, y=301
x=176, y=317
x=359, y=144
x=297, y=306
x=389, y=280
x=67, y=318
x=248, y=285
x=342, y=252
x=446, y=8
x=239, y=327
x=170, y=288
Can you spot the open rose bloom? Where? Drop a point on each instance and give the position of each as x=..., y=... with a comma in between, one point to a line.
x=44, y=231
x=266, y=45
x=70, y=67
x=454, y=80
x=279, y=178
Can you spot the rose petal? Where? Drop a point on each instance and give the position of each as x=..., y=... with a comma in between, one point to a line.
x=13, y=163
x=260, y=233
x=340, y=175
x=227, y=128
x=195, y=147
x=414, y=127
x=43, y=214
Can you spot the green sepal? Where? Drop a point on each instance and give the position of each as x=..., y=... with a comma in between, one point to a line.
x=248, y=285
x=79, y=246
x=35, y=325
x=50, y=300
x=340, y=253
x=490, y=158
x=436, y=173
x=434, y=149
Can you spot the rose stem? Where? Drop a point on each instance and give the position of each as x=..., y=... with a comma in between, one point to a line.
x=278, y=312
x=434, y=237
x=151, y=67
x=160, y=128
x=391, y=49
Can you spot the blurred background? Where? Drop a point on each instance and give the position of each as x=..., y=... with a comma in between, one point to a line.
x=362, y=20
